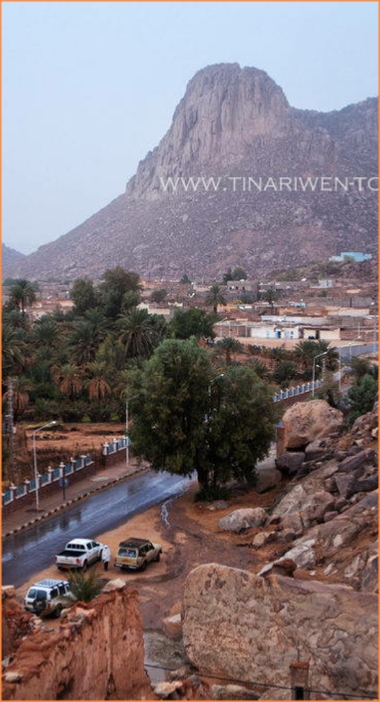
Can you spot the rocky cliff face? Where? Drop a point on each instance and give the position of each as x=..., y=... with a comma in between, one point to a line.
x=97, y=653
x=233, y=124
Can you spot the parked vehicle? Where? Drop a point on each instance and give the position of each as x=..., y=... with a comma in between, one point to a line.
x=79, y=553
x=135, y=554
x=49, y=597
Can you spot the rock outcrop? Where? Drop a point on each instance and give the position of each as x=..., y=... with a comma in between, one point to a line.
x=261, y=625
x=306, y=421
x=232, y=124
x=97, y=653
x=242, y=519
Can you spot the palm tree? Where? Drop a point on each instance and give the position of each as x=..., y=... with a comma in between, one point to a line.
x=215, y=297
x=229, y=346
x=22, y=294
x=306, y=351
x=271, y=295
x=46, y=332
x=20, y=396
x=69, y=379
x=138, y=333
x=260, y=368
x=13, y=350
x=97, y=386
x=83, y=343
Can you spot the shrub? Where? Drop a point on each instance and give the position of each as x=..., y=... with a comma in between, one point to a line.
x=84, y=587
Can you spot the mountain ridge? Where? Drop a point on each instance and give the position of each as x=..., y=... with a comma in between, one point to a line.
x=231, y=122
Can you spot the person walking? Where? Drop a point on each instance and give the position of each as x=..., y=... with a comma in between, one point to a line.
x=106, y=557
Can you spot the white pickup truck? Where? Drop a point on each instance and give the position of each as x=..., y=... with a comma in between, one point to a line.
x=79, y=553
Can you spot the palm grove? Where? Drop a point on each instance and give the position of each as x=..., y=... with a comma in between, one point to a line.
x=194, y=409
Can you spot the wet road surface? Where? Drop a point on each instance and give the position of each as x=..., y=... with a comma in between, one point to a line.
x=31, y=551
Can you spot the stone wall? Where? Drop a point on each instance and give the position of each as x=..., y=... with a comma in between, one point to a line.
x=250, y=628
x=96, y=654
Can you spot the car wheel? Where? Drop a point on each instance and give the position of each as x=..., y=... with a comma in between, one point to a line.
x=143, y=567
x=57, y=611
x=84, y=567
x=100, y=556
x=158, y=556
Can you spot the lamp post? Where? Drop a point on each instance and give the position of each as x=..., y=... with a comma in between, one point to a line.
x=314, y=359
x=50, y=424
x=126, y=428
x=221, y=375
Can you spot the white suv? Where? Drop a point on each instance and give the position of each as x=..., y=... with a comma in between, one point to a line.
x=49, y=597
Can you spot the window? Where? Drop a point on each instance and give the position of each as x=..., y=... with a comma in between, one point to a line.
x=53, y=593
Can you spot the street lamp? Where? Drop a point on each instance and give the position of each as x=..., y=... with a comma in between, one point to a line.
x=126, y=427
x=50, y=424
x=221, y=375
x=314, y=359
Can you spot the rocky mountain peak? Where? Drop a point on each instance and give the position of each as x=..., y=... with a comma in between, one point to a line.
x=224, y=111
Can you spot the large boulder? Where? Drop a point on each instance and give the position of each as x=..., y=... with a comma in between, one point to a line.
x=243, y=519
x=267, y=479
x=235, y=622
x=306, y=421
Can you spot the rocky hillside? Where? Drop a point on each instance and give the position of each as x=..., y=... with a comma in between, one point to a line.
x=233, y=124
x=308, y=592
x=10, y=256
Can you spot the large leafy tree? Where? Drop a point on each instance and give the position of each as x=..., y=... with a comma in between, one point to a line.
x=192, y=322
x=170, y=409
x=83, y=295
x=240, y=427
x=117, y=282
x=187, y=419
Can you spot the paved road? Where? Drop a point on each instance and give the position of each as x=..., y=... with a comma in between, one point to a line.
x=29, y=552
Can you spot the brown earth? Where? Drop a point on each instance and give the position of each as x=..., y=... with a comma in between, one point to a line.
x=191, y=539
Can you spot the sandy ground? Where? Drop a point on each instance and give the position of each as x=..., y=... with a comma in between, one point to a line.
x=191, y=537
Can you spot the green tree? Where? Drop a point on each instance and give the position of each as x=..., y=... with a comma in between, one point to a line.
x=158, y=295
x=14, y=349
x=241, y=426
x=237, y=273
x=69, y=379
x=284, y=372
x=116, y=283
x=185, y=279
x=22, y=295
x=192, y=322
x=362, y=396
x=97, y=386
x=184, y=419
x=360, y=366
x=229, y=346
x=140, y=332
x=169, y=414
x=83, y=295
x=215, y=297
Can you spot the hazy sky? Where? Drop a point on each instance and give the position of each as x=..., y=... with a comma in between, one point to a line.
x=89, y=88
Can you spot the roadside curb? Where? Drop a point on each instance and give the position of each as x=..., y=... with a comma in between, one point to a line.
x=66, y=505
